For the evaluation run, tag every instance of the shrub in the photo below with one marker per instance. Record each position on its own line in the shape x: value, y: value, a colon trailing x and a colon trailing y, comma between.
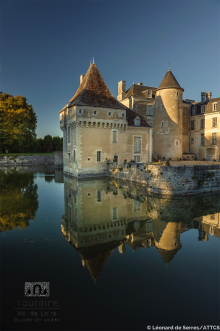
x: 168, y: 163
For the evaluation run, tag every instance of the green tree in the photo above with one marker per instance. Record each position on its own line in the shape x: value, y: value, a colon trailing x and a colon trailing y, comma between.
x: 18, y: 123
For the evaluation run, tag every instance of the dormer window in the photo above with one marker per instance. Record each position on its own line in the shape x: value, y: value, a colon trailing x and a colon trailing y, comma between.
x: 215, y: 106
x: 137, y: 121
x: 202, y: 109
x: 193, y: 110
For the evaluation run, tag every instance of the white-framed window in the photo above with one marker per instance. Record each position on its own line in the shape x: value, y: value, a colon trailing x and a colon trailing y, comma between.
x: 137, y: 158
x: 114, y: 136
x: 215, y: 106
x: 137, y: 144
x: 149, y: 110
x: 203, y: 97
x: 214, y: 138
x: 214, y: 122
x: 68, y: 134
x: 115, y: 213
x: 137, y: 121
x: 192, y: 141
x: 202, y: 124
x: 193, y: 110
x: 162, y: 107
x: 202, y: 139
x: 203, y: 109
x: 162, y: 124
x: 98, y: 156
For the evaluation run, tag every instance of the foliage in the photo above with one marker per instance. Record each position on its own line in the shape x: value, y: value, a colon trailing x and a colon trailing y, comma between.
x: 18, y: 123
x: 19, y: 200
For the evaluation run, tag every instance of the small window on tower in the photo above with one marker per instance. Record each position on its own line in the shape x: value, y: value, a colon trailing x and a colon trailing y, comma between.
x: 162, y: 107
x: 162, y: 124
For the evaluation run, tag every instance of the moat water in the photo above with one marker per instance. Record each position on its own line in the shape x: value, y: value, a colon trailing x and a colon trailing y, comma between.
x: 107, y: 255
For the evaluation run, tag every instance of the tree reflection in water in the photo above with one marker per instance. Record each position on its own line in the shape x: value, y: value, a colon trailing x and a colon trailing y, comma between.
x: 18, y: 199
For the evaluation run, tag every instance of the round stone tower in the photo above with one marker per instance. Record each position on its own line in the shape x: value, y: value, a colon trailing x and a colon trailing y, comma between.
x: 167, y: 138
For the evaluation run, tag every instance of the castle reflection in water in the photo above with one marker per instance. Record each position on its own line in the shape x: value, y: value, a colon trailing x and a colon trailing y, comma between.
x: 104, y: 215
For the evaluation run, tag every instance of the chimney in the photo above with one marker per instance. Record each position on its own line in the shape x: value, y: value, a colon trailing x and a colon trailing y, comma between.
x: 121, y: 90
x: 208, y: 96
x: 81, y: 78
x: 140, y: 84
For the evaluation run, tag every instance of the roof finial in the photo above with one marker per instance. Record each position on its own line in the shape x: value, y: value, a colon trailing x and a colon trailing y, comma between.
x: 90, y: 62
x: 169, y: 65
x: 93, y: 60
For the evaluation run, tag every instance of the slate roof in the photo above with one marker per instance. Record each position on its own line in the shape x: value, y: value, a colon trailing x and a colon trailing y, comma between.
x: 94, y: 92
x: 169, y: 81
x: 137, y: 91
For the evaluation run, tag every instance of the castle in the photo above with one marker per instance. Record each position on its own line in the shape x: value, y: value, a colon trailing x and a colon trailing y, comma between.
x: 182, y: 129
x: 142, y: 121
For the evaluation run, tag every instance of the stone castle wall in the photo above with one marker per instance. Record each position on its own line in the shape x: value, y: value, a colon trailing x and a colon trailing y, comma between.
x: 26, y: 160
x: 171, y: 180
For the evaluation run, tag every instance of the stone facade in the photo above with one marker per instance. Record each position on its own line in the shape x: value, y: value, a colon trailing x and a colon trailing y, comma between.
x: 205, y: 128
x: 174, y: 136
x: 97, y: 128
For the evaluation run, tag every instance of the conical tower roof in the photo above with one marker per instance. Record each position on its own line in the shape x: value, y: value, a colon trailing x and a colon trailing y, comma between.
x: 94, y: 92
x: 169, y: 81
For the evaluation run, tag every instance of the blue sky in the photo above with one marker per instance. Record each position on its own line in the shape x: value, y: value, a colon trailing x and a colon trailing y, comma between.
x: 47, y: 45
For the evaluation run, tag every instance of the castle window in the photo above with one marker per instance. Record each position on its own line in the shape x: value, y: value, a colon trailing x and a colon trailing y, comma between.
x: 162, y: 124
x: 202, y: 124
x: 192, y: 125
x: 95, y: 112
x: 137, y: 121
x: 99, y: 156
x: 80, y: 111
x: 68, y: 135
x: 214, y: 139
x: 114, y: 214
x: 215, y: 106
x: 114, y: 136
x: 137, y: 158
x: 202, y: 109
x: 214, y: 122
x: 137, y: 145
x: 193, y: 110
x: 149, y: 110
x: 123, y: 115
x: 137, y: 205
x: 109, y: 114
x: 177, y: 93
x: 74, y: 156
x: 202, y: 139
x: 162, y: 107
x: 192, y: 141
x: 177, y: 142
x: 99, y: 198
x: 68, y: 157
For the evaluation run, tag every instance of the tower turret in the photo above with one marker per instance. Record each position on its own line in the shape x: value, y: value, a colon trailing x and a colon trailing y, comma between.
x: 168, y: 118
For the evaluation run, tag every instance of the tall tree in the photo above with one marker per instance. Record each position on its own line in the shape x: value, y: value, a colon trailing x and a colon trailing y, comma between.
x: 18, y: 123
